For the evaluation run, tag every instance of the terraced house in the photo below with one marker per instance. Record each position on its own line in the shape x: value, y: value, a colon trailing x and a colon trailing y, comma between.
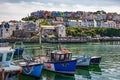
x: 87, y: 19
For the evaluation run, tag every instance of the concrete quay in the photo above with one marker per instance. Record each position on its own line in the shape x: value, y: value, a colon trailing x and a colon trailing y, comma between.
x: 63, y: 40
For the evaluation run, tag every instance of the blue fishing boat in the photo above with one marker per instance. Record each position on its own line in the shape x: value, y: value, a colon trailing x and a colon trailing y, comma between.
x: 19, y: 51
x: 31, y: 66
x: 95, y: 60
x: 19, y: 48
x: 61, y: 61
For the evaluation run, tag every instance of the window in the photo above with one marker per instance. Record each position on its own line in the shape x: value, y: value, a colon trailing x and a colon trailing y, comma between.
x: 62, y: 57
x: 6, y: 29
x: 9, y: 55
x: 52, y: 57
x: 67, y: 56
x: 1, y: 55
x: 70, y: 56
x: 57, y: 56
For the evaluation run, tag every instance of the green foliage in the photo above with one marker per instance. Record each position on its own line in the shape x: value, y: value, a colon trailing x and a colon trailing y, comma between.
x: 92, y: 32
x: 52, y: 36
x: 98, y: 12
x: 44, y: 22
x: 30, y: 18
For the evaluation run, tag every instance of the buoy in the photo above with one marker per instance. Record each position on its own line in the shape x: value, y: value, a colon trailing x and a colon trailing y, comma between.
x: 20, y: 70
x: 64, y: 51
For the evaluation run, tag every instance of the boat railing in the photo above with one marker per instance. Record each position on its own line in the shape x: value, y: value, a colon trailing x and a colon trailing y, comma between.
x: 4, y: 44
x: 20, y: 43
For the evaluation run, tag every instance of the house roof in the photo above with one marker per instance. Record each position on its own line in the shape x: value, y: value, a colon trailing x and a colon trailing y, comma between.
x: 48, y: 27
x: 6, y: 49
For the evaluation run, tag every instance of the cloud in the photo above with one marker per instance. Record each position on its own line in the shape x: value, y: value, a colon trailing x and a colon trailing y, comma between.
x: 18, y: 10
x: 72, y: 2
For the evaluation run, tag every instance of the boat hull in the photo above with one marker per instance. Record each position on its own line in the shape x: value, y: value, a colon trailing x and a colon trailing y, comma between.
x: 83, y: 61
x: 95, y: 60
x: 10, y: 75
x: 32, y: 70
x: 66, y: 67
x: 10, y: 71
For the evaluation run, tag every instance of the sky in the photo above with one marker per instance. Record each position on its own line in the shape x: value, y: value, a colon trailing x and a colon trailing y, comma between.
x: 17, y: 9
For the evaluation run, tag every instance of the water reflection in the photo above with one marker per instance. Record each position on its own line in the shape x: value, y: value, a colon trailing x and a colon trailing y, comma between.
x: 47, y: 75
x: 83, y: 72
x: 87, y: 73
x: 10, y: 76
x: 110, y: 62
x: 95, y: 68
x: 26, y: 77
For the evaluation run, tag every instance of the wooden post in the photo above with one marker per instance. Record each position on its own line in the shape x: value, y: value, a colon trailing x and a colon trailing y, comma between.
x: 3, y: 74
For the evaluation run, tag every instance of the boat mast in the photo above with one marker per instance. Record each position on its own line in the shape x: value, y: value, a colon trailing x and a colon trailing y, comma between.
x: 59, y: 43
x: 40, y: 35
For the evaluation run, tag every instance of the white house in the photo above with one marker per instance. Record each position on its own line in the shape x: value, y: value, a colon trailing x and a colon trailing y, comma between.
x: 108, y: 24
x: 61, y: 30
x: 111, y: 24
x: 38, y: 22
x: 5, y: 31
x: 117, y: 24
x: 104, y: 24
x: 83, y: 23
x: 20, y: 25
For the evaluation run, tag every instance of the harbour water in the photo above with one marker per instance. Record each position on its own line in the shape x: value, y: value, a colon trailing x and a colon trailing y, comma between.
x: 109, y: 68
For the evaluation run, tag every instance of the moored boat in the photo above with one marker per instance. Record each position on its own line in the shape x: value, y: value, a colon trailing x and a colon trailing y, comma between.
x: 6, y: 66
x: 83, y: 61
x: 95, y: 60
x: 31, y: 66
x: 18, y: 49
x: 61, y: 61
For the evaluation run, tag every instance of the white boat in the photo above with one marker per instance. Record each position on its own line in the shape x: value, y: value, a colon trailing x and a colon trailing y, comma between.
x: 6, y: 65
x: 82, y: 60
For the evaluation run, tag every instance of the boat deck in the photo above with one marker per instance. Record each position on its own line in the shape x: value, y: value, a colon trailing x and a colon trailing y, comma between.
x: 11, y: 68
x: 32, y: 61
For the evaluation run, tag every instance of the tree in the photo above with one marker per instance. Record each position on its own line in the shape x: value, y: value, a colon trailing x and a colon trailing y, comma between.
x: 32, y: 18
x: 44, y: 22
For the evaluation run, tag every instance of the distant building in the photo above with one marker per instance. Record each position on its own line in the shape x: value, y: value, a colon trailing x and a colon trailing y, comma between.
x: 58, y: 30
x: 73, y: 23
x: 118, y: 24
x: 111, y: 24
x: 20, y: 25
x: 30, y: 26
x: 38, y: 22
x: 21, y: 34
x: 90, y: 23
x: 104, y: 24
x: 61, y: 30
x: 24, y: 29
x: 108, y: 24
x: 5, y: 30
x: 48, y: 29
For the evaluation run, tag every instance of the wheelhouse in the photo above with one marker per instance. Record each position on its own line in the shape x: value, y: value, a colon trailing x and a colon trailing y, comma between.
x: 63, y: 55
x: 6, y: 55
